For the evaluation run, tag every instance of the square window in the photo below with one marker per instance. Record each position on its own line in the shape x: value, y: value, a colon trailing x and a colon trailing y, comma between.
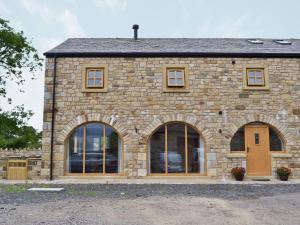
x: 175, y: 77
x: 255, y: 77
x: 94, y: 78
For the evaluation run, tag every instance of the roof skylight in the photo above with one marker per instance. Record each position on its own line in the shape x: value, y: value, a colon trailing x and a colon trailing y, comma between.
x: 283, y: 42
x: 255, y: 41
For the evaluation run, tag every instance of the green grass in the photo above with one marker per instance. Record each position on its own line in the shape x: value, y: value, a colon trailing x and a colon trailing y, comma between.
x: 14, y: 188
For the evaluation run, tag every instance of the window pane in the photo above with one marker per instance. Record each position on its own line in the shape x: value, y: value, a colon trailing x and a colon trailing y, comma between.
x: 179, y: 74
x: 195, y: 153
x: 251, y: 81
x: 75, y: 154
x: 172, y: 82
x: 176, y: 148
x: 112, y: 151
x: 275, y: 141
x: 98, y: 82
x: 251, y: 74
x: 94, y: 148
x: 258, y: 73
x: 91, y: 74
x: 171, y: 74
x: 180, y: 82
x: 90, y: 82
x: 157, y: 151
x: 98, y: 73
x: 238, y: 141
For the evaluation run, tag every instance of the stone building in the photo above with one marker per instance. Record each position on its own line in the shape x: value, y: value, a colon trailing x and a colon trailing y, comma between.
x: 171, y: 107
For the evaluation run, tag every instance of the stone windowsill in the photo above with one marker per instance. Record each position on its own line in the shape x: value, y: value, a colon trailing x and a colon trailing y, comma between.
x: 244, y: 155
x: 236, y: 155
x: 281, y: 155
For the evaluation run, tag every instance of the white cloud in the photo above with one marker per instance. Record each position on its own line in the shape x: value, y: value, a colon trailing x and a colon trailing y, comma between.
x: 65, y: 17
x: 71, y: 23
x: 40, y: 8
x: 114, y: 5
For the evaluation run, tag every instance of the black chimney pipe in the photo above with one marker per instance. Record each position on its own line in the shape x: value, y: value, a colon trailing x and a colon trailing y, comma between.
x: 135, y: 27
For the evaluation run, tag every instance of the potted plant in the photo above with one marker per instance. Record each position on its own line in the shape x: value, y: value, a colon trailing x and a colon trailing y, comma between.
x: 238, y: 173
x: 283, y: 173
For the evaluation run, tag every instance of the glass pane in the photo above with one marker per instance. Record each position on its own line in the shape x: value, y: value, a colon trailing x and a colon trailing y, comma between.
x: 91, y: 74
x: 112, y: 151
x: 157, y: 151
x: 172, y: 82
x: 91, y: 82
x: 179, y: 74
x: 256, y: 136
x: 176, y: 148
x: 258, y: 73
x: 94, y: 148
x: 275, y: 141
x: 251, y: 80
x: 238, y: 141
x: 194, y: 151
x: 171, y: 74
x: 98, y: 73
x: 251, y: 73
x: 98, y: 82
x: 180, y: 82
x: 75, y: 152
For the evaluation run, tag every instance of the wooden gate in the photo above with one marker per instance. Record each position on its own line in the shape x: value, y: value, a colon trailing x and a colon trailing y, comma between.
x: 17, y: 169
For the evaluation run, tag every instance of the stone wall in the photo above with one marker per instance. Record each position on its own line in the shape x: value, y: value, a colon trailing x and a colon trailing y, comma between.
x: 32, y: 155
x: 135, y: 105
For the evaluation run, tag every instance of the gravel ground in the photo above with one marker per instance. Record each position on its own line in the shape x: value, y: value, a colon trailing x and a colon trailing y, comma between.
x: 152, y: 204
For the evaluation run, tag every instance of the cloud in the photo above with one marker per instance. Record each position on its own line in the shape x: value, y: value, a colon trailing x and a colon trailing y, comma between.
x: 113, y: 5
x: 40, y: 8
x: 71, y: 23
x: 65, y: 17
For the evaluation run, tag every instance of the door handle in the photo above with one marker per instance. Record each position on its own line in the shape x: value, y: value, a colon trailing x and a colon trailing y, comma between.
x: 247, y: 149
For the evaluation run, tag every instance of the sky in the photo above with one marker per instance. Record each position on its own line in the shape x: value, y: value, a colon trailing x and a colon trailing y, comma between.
x: 48, y: 23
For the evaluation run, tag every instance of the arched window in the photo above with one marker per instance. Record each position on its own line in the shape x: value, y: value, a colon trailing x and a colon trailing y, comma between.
x: 94, y: 148
x: 176, y: 148
x: 238, y: 140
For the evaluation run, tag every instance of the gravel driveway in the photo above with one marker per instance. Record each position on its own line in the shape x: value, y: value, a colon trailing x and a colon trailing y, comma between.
x: 152, y: 204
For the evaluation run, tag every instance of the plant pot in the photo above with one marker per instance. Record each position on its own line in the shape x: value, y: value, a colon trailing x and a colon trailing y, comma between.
x: 239, y: 177
x: 284, y: 177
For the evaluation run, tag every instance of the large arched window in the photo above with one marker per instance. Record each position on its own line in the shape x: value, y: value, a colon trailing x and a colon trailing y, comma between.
x: 176, y: 148
x: 94, y: 148
x: 238, y: 140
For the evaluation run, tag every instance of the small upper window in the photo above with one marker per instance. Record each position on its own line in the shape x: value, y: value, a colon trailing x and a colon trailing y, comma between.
x: 255, y: 77
x: 255, y: 41
x: 283, y: 42
x: 95, y: 78
x: 175, y: 77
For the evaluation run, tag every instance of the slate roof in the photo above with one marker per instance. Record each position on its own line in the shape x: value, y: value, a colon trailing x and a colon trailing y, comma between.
x: 185, y: 47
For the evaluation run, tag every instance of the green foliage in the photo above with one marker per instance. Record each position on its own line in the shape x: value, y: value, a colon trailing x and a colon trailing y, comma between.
x: 283, y: 171
x: 14, y: 132
x: 16, y: 53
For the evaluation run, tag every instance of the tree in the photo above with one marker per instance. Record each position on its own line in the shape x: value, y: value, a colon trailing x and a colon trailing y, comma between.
x: 16, y: 54
x: 14, y: 132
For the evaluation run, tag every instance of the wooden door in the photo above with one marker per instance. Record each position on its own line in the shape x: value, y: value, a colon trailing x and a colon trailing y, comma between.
x: 258, y: 150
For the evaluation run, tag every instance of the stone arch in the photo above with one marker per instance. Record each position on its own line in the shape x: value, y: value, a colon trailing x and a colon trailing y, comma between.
x: 191, y: 120
x: 112, y: 120
x: 287, y: 136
